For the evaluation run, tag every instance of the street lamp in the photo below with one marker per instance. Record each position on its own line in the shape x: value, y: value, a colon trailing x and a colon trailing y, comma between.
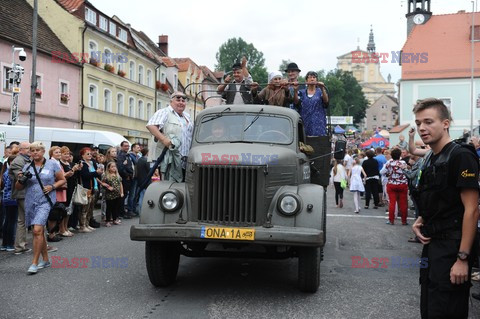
x: 15, y: 77
x: 348, y: 109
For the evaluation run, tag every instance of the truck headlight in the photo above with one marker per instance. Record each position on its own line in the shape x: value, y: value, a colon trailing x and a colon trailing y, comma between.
x: 171, y: 200
x: 289, y: 204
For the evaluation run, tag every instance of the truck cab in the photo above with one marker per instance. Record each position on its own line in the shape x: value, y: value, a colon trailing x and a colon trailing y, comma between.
x: 248, y: 193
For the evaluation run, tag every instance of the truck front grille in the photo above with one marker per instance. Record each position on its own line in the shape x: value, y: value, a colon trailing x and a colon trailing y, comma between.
x: 228, y: 194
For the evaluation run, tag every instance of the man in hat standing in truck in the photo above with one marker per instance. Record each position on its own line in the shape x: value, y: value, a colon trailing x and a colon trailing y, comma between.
x: 293, y: 72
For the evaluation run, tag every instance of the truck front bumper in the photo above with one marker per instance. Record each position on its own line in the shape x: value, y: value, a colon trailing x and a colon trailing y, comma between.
x: 277, y: 235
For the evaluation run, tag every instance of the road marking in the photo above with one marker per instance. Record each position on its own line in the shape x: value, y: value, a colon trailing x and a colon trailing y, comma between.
x: 363, y: 216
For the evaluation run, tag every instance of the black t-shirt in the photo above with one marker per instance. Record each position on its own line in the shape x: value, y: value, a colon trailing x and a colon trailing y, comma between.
x: 463, y: 168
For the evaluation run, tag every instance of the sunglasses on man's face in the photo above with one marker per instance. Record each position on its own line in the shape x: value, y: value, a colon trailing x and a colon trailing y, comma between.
x: 180, y: 98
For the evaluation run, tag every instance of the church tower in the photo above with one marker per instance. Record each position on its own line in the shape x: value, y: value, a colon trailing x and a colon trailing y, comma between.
x: 371, y: 42
x: 418, y: 13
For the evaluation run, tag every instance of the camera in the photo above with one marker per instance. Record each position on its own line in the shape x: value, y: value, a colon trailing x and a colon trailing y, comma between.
x: 22, y: 55
x: 26, y: 176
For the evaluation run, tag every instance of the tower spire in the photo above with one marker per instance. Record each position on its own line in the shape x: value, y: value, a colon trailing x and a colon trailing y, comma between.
x: 371, y: 41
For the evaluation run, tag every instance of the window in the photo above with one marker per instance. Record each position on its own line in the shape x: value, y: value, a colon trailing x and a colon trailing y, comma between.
x: 141, y: 111
x: 120, y: 103
x: 140, y: 74
x: 64, y: 96
x: 159, y: 105
x: 38, y: 91
x: 90, y: 16
x: 107, y: 100
x: 94, y: 53
x: 149, y: 78
x: 384, y: 106
x: 476, y: 33
x: 162, y: 78
x: 149, y: 110
x: 7, y: 86
x: 107, y: 56
x: 92, y: 96
x: 103, y: 23
x: 120, y: 66
x: 393, y: 117
x: 113, y: 29
x: 122, y: 34
x: 131, y: 107
x: 448, y: 102
x: 132, y: 71
x: 189, y: 87
x: 175, y: 82
x: 374, y: 117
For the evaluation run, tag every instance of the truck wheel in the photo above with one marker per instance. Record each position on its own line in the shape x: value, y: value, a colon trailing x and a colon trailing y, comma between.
x: 309, y: 269
x: 162, y: 262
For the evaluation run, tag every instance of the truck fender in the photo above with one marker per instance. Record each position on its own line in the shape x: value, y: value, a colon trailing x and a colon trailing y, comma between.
x: 154, y: 214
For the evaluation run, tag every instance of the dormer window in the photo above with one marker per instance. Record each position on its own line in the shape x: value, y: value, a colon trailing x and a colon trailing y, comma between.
x: 122, y: 35
x: 103, y: 23
x: 113, y: 29
x: 91, y: 16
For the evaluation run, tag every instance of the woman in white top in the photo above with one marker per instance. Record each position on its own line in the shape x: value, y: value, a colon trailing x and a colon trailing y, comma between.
x: 338, y: 174
x: 356, y: 183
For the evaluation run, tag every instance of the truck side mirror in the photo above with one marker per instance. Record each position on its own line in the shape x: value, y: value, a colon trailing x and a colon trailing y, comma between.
x: 340, y: 147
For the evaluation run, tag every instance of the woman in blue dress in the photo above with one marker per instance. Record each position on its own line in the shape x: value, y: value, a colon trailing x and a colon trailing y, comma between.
x: 314, y: 101
x: 37, y: 206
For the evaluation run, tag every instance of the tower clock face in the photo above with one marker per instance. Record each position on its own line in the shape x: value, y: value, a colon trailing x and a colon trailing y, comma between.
x: 419, y: 19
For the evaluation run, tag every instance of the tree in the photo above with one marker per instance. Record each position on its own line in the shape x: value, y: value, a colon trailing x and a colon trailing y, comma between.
x: 346, y: 95
x: 233, y: 50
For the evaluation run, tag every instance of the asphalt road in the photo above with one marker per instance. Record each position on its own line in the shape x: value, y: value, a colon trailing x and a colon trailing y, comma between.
x: 222, y: 288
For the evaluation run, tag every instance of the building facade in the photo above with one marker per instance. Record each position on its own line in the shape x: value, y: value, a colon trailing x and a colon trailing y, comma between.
x: 444, y: 42
x: 382, y: 114
x: 57, y: 97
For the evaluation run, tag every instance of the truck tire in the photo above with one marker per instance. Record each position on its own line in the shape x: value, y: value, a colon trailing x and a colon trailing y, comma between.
x: 162, y: 260
x: 309, y: 269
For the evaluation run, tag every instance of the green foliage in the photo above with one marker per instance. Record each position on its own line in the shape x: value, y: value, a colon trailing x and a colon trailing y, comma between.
x: 233, y: 50
x: 344, y: 91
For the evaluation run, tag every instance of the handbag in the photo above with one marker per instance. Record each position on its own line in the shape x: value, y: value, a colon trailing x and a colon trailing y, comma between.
x: 80, y: 195
x: 343, y: 183
x: 58, y: 210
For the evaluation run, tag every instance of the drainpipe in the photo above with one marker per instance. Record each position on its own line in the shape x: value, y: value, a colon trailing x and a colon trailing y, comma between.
x: 155, y: 106
x: 83, y: 68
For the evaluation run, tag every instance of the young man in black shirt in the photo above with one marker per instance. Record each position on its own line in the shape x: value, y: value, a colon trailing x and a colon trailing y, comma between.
x: 448, y: 207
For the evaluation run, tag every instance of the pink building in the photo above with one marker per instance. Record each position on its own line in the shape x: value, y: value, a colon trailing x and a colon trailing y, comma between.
x: 58, y: 84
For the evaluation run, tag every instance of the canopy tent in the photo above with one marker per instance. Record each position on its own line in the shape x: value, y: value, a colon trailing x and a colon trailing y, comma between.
x: 384, y: 133
x: 338, y: 130
x: 375, y: 141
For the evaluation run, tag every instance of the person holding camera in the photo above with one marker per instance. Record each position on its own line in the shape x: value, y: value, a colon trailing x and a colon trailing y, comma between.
x: 88, y: 176
x: 19, y: 195
x: 448, y: 206
x: 40, y: 172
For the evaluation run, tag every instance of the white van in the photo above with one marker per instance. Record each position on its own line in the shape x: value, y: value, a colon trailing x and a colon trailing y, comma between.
x: 74, y: 139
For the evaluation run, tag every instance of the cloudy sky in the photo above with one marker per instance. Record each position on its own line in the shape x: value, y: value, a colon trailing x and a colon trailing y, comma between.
x: 312, y: 33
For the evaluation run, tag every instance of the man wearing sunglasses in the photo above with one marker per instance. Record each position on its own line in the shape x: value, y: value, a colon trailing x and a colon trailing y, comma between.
x: 173, y: 123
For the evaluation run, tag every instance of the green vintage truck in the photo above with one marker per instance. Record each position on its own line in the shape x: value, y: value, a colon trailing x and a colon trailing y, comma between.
x: 248, y: 193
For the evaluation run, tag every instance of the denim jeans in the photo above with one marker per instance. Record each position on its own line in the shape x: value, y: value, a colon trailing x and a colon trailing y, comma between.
x: 140, y: 200
x: 9, y: 225
x: 131, y: 197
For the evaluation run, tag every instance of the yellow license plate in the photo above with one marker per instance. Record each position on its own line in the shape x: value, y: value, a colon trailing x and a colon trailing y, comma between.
x: 227, y: 233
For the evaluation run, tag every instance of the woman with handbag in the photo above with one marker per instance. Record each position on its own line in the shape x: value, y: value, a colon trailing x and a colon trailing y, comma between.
x: 40, y: 178
x: 55, y: 154
x: 69, y: 171
x: 88, y: 175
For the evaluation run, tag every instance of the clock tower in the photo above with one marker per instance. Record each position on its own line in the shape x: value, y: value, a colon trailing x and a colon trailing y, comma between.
x: 418, y: 13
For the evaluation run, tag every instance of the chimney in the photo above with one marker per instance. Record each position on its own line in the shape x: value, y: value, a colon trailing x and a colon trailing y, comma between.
x: 163, y: 43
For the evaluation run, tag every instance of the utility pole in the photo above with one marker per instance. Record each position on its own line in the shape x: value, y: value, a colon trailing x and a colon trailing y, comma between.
x: 31, y: 137
x: 15, y: 77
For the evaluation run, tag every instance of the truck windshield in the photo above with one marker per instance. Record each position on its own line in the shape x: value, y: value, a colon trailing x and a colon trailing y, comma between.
x: 230, y: 128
